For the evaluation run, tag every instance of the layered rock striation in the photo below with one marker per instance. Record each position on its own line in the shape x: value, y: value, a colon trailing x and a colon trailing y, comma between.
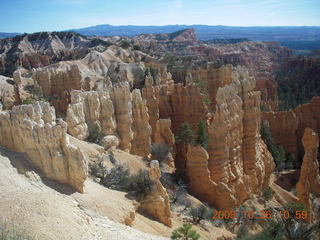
x: 309, y: 181
x: 287, y: 127
x: 32, y: 129
x: 157, y: 203
x: 237, y: 161
x: 116, y: 113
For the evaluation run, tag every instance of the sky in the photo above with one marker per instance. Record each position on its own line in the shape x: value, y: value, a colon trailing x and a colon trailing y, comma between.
x: 54, y: 15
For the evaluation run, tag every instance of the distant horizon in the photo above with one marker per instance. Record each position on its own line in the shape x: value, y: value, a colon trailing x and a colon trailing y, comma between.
x: 187, y: 25
x: 59, y: 15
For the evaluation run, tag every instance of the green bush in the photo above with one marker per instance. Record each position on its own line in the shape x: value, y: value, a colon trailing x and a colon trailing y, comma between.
x: 119, y: 178
x: 136, y: 47
x: 243, y: 232
x: 95, y: 135
x: 199, y: 213
x: 278, y: 153
x: 202, y: 135
x: 28, y: 101
x: 124, y: 44
x: 288, y: 229
x: 185, y: 134
x: 267, y: 193
x: 185, y: 233
x: 160, y: 151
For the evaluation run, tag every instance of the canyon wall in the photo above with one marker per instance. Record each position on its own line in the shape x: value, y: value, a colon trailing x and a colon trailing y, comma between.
x: 32, y: 129
x: 116, y: 113
x: 262, y: 59
x: 309, y: 181
x: 237, y: 162
x: 287, y: 127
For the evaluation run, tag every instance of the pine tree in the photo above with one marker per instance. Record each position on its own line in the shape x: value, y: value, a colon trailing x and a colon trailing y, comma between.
x: 185, y: 233
x: 185, y: 134
x: 202, y: 135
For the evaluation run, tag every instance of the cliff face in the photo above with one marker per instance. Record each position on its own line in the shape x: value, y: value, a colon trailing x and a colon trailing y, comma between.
x: 237, y: 161
x: 181, y: 104
x: 32, y: 129
x: 261, y: 59
x: 309, y: 181
x: 287, y: 127
x: 188, y: 35
x: 115, y: 113
x: 95, y: 70
x: 140, y: 126
x: 40, y: 49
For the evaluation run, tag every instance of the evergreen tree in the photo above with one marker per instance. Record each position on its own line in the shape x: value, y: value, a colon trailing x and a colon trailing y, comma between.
x: 185, y: 233
x: 202, y: 135
x: 280, y: 158
x: 185, y: 134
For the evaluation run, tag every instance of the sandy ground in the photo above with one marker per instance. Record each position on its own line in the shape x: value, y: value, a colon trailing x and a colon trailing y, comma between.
x: 54, y: 211
x: 51, y: 215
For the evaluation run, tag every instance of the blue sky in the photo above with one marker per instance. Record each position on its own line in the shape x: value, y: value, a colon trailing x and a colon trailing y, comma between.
x: 50, y: 15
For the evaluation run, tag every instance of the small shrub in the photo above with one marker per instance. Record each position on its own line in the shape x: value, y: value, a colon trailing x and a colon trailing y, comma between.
x: 160, y: 151
x: 199, y: 213
x: 28, y: 101
x: 185, y: 233
x: 117, y: 178
x: 97, y: 170
x: 267, y: 193
x: 95, y: 135
x: 136, y: 47
x: 243, y: 232
x: 140, y: 183
x: 124, y: 44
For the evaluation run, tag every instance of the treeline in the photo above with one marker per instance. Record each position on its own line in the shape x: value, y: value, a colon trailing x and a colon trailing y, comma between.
x: 227, y: 40
x: 298, y: 81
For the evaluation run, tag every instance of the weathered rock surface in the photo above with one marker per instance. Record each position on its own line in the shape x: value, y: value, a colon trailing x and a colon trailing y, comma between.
x: 178, y: 103
x: 41, y: 49
x: 287, y: 127
x: 261, y: 58
x: 96, y: 68
x: 7, y: 92
x: 141, y: 141
x: 32, y: 129
x: 198, y: 174
x: 237, y: 161
x: 188, y: 35
x: 157, y: 202
x: 115, y: 113
x: 122, y: 100
x: 110, y: 142
x: 88, y: 111
x: 164, y: 135
x: 309, y: 181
